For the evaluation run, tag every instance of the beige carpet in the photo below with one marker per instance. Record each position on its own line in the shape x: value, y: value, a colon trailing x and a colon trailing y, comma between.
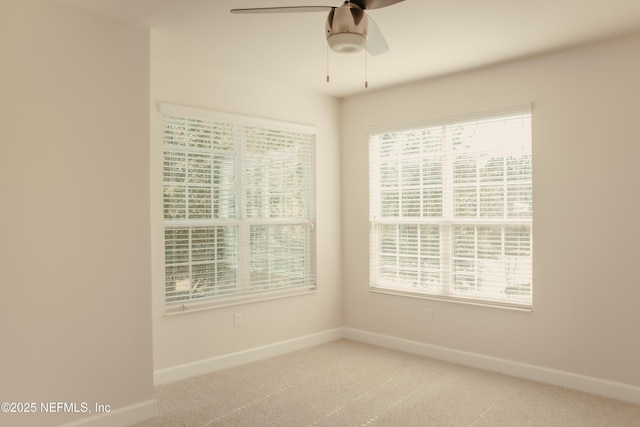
x: 345, y: 383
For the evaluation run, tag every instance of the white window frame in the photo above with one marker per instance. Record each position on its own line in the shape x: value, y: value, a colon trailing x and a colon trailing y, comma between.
x: 240, y: 288
x: 438, y: 282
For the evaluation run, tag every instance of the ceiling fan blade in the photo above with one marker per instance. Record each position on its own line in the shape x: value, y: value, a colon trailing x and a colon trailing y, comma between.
x: 286, y: 9
x: 375, y: 4
x: 376, y: 43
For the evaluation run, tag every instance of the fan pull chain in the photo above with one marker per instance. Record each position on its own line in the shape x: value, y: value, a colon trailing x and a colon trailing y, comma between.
x: 366, y: 77
x: 327, y: 63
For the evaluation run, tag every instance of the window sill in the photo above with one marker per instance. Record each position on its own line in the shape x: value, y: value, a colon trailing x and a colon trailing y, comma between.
x: 491, y: 304
x: 191, y: 306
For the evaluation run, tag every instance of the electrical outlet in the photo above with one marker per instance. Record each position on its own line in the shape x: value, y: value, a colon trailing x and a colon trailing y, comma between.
x: 428, y: 315
x: 237, y: 320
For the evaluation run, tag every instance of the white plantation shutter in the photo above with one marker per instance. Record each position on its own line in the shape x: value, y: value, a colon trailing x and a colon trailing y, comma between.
x: 239, y: 208
x: 279, y: 208
x: 451, y: 208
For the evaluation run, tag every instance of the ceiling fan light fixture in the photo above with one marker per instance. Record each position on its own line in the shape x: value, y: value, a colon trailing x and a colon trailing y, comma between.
x: 347, y: 42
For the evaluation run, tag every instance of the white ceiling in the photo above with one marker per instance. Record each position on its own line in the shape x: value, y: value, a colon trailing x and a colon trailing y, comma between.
x: 427, y: 38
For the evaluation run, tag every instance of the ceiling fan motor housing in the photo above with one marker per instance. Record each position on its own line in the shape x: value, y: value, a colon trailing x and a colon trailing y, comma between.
x: 347, y: 28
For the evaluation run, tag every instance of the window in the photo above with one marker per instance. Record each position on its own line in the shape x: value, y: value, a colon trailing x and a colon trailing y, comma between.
x: 451, y: 209
x: 239, y: 208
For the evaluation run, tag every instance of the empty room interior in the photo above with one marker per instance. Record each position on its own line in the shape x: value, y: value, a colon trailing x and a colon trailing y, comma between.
x: 348, y: 196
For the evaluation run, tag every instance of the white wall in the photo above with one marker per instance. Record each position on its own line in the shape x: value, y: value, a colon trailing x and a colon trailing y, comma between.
x: 180, y: 77
x: 586, y: 209
x: 75, y: 308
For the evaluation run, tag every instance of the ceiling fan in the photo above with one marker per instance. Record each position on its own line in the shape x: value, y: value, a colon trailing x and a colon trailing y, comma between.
x: 348, y: 29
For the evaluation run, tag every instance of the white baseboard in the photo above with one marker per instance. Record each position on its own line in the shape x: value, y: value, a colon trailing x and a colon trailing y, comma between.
x: 605, y: 388
x: 206, y: 366
x: 120, y: 417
